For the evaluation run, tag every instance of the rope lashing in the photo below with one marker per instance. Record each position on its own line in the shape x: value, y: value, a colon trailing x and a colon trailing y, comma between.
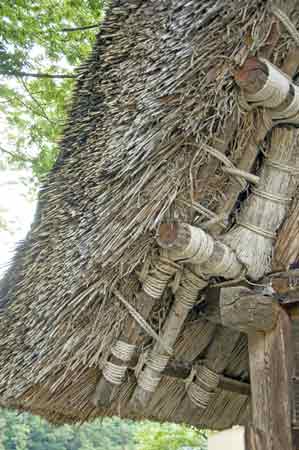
x: 186, y: 297
x: 157, y: 361
x: 191, y: 285
x: 142, y: 322
x: 202, y: 389
x: 282, y: 167
x: 123, y: 351
x: 148, y: 382
x: 272, y: 197
x: 257, y: 230
x: 156, y: 282
x: 114, y: 373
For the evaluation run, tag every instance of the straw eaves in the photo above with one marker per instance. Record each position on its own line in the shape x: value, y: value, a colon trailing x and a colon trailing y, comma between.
x: 155, y: 92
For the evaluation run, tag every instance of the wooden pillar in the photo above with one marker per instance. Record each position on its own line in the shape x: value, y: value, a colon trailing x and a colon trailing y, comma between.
x: 271, y: 378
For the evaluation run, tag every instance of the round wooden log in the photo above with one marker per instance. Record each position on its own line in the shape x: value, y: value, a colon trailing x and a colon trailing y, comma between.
x: 185, y: 298
x: 252, y: 76
x: 193, y: 245
x: 245, y: 311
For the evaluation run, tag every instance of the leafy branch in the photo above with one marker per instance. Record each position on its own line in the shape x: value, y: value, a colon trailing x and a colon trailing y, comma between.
x: 15, y: 73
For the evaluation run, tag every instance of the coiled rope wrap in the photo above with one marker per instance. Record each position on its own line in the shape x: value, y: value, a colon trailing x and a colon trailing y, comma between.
x: 186, y: 296
x: 114, y: 373
x: 267, y: 234
x: 156, y: 362
x: 156, y: 282
x: 148, y: 382
x: 203, y: 388
x: 191, y: 285
x: 123, y: 351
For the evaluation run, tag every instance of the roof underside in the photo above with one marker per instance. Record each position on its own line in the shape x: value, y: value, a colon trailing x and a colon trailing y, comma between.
x: 156, y: 92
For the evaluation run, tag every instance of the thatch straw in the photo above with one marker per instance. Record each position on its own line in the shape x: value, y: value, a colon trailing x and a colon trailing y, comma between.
x: 156, y: 94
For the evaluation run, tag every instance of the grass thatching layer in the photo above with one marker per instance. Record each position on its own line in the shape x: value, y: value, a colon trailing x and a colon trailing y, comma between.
x: 156, y: 92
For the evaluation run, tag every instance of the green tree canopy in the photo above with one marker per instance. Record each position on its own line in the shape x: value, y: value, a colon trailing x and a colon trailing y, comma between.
x: 41, y: 42
x: 154, y: 436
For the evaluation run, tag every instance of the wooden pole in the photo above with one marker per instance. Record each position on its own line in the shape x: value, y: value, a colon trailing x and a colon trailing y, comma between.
x: 271, y: 376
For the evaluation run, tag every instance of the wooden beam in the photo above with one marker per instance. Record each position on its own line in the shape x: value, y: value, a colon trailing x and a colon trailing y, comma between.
x: 150, y: 376
x: 271, y: 374
x: 246, y: 311
x: 193, y: 245
x: 181, y: 370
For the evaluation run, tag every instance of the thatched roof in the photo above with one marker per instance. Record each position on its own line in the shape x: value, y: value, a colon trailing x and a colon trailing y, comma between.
x: 155, y: 95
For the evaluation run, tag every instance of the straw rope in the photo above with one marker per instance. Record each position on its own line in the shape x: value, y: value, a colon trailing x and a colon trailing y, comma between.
x: 148, y: 382
x: 157, y: 361
x: 114, y: 373
x: 156, y: 282
x: 256, y: 229
x: 199, y: 248
x: 203, y: 388
x: 282, y: 167
x: 123, y: 351
x: 191, y: 285
x: 272, y: 197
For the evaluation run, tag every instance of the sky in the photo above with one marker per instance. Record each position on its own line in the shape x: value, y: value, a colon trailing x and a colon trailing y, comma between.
x: 16, y: 212
x: 17, y: 202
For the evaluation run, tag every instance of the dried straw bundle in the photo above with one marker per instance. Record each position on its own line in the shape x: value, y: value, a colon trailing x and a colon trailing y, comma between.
x: 156, y: 95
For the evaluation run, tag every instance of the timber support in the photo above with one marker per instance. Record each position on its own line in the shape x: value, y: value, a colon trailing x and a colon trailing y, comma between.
x: 271, y: 380
x: 248, y: 312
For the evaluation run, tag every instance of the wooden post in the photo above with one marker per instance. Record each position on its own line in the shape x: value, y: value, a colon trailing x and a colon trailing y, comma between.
x: 270, y: 373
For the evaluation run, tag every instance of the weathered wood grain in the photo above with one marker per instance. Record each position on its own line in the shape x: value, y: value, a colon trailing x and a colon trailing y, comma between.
x: 271, y: 372
x: 246, y: 311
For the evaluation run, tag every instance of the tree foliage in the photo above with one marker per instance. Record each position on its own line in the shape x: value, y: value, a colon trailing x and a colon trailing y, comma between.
x: 45, y: 39
x: 154, y: 436
x: 27, y: 432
